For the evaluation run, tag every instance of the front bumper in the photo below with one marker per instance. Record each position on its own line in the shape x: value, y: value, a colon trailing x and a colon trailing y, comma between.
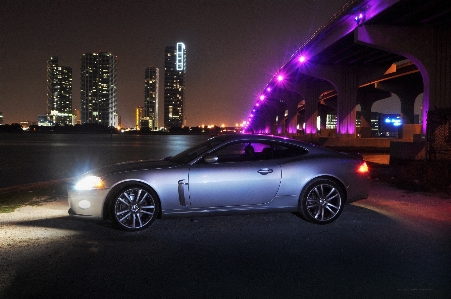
x: 87, y: 203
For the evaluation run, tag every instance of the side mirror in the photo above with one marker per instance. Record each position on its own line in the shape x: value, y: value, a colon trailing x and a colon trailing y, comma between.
x: 211, y: 158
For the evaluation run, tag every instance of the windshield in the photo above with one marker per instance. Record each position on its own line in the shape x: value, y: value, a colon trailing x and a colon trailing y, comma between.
x: 193, y: 152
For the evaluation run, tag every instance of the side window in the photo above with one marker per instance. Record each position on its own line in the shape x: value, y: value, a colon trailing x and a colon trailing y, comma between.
x: 256, y: 151
x: 231, y: 153
x: 288, y: 151
x: 244, y: 151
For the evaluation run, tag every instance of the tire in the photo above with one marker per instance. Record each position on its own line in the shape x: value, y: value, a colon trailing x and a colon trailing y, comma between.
x: 134, y: 207
x: 321, y: 201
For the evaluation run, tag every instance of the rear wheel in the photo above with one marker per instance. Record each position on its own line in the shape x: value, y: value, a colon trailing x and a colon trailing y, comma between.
x: 134, y: 207
x: 321, y: 202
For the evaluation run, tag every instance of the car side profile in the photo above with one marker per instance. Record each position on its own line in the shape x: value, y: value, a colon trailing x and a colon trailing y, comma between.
x: 224, y: 175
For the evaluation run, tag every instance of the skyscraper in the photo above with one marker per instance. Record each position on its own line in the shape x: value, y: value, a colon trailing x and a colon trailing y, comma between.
x: 174, y: 86
x: 59, y: 93
x: 151, y: 82
x: 98, y: 89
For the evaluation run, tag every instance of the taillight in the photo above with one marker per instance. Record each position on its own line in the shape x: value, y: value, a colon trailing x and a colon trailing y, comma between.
x: 363, y: 168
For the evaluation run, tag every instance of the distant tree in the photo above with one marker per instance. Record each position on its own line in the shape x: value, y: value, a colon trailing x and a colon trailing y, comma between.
x: 175, y: 130
x: 12, y: 128
x: 196, y: 130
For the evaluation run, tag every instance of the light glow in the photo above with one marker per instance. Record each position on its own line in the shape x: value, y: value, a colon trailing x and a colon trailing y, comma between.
x: 359, y: 19
x: 90, y: 182
x: 279, y: 78
x: 395, y: 121
x: 302, y: 58
x: 180, y: 56
x: 363, y: 168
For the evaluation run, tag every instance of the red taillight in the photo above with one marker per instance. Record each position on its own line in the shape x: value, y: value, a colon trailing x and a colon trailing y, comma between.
x: 363, y: 168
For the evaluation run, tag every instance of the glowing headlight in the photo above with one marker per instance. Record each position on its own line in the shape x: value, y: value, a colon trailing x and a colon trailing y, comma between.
x: 89, y: 182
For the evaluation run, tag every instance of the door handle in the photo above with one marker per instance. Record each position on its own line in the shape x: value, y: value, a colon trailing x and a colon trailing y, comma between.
x: 265, y: 171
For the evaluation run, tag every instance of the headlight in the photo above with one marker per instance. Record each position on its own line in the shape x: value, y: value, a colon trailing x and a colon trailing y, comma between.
x: 90, y: 182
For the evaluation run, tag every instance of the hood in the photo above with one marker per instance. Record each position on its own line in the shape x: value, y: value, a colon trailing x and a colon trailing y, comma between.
x: 133, y: 165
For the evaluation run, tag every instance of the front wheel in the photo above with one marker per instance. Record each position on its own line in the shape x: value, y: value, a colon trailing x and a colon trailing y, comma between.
x: 321, y: 202
x: 134, y: 207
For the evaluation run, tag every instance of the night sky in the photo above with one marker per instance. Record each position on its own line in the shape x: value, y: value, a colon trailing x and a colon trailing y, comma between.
x: 233, y: 49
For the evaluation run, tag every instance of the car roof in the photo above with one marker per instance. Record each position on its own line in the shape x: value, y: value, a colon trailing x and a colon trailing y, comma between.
x: 312, y: 148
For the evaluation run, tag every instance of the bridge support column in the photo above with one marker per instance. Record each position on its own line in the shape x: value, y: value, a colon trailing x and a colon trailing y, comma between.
x: 281, y: 118
x: 265, y: 120
x: 291, y: 120
x: 347, y: 88
x: 311, y: 109
x: 407, y: 89
x: 311, y: 94
x: 366, y: 97
x: 288, y: 117
x: 345, y: 80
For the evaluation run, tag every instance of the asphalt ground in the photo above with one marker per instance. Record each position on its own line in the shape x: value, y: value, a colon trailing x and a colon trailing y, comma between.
x: 395, y: 244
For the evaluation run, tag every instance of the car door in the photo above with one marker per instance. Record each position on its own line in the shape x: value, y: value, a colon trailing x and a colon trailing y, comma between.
x: 237, y: 177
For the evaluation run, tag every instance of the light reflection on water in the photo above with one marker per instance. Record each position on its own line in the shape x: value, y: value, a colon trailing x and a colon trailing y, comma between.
x: 31, y: 158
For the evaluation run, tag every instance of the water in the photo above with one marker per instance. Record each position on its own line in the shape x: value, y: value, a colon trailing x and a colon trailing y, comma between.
x: 32, y: 158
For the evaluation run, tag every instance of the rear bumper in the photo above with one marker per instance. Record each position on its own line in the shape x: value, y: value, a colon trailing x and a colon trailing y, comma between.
x: 360, y: 189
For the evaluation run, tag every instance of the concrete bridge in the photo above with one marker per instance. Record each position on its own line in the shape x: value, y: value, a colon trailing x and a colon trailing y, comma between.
x: 367, y: 51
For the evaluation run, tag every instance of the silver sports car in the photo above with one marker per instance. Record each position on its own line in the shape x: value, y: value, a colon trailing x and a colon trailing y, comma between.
x: 224, y: 175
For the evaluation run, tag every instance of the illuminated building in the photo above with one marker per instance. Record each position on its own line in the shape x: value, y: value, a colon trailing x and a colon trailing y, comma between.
x: 1, y: 118
x: 174, y: 86
x: 59, y: 93
x: 151, y: 81
x: 77, y: 116
x: 138, y: 116
x: 98, y: 89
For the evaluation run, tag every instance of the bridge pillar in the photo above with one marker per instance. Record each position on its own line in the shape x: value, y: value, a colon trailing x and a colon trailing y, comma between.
x: 264, y: 120
x: 288, y: 120
x: 281, y: 118
x: 345, y: 80
x: 428, y: 47
x: 347, y: 87
x: 366, y: 97
x: 407, y: 89
x: 311, y: 92
x: 291, y: 119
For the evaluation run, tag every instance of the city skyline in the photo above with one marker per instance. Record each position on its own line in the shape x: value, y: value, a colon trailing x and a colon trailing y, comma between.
x: 98, y: 91
x: 234, y: 48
